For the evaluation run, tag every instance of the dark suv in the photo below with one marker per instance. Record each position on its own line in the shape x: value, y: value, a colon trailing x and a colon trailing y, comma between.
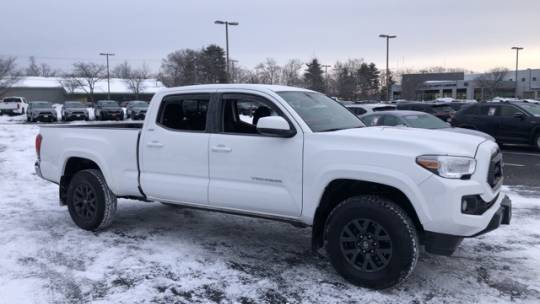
x: 442, y: 111
x: 512, y: 123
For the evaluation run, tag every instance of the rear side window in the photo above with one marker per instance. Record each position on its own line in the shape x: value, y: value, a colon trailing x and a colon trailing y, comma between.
x: 488, y: 110
x: 12, y: 100
x: 390, y: 120
x: 184, y: 113
x: 471, y: 110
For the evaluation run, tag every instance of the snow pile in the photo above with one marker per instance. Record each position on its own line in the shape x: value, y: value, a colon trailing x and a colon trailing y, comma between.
x: 161, y: 254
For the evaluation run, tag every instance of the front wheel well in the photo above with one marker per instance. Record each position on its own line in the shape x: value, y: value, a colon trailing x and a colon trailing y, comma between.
x: 73, y: 165
x: 341, y: 189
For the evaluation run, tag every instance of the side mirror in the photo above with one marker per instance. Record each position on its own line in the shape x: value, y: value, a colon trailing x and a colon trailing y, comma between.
x: 519, y: 116
x: 275, y: 126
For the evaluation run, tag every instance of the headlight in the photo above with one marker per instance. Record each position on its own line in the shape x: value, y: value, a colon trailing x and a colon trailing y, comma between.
x: 448, y: 166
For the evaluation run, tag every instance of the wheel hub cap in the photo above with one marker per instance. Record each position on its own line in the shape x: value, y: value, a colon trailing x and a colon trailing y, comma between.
x: 366, y: 245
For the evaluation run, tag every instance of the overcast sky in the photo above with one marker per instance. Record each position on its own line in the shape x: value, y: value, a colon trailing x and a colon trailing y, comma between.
x: 472, y: 34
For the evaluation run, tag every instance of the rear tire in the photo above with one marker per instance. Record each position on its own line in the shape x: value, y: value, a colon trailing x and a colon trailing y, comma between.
x: 371, y: 242
x: 537, y: 142
x: 90, y: 202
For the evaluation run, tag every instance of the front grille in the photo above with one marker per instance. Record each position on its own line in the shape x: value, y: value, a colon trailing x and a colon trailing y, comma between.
x: 495, y: 172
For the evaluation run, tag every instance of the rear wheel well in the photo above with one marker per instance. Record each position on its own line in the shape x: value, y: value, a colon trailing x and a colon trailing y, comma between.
x: 73, y: 165
x: 341, y: 189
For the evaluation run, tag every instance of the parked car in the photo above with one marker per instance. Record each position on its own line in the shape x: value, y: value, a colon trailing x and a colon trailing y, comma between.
x: 360, y: 109
x: 136, y: 109
x: 302, y: 158
x: 108, y: 110
x: 13, y: 105
x: 509, y: 122
x: 415, y: 119
x: 74, y: 110
x: 441, y: 110
x: 40, y: 111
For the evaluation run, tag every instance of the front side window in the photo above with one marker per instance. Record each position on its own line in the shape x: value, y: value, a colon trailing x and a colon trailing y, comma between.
x: 241, y: 112
x: 320, y: 112
x: 509, y: 111
x: 390, y: 120
x: 488, y: 110
x: 186, y: 113
x: 534, y: 109
x: 372, y: 120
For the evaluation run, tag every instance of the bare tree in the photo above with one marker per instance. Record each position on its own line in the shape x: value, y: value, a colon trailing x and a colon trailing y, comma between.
x: 41, y: 69
x: 268, y: 72
x: 70, y: 83
x: 491, y: 82
x: 87, y: 75
x: 8, y: 74
x: 135, y: 79
x: 290, y: 73
x: 122, y: 70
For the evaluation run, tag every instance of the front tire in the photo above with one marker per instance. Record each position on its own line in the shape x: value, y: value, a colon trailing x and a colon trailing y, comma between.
x: 537, y: 142
x: 371, y: 242
x: 91, y: 203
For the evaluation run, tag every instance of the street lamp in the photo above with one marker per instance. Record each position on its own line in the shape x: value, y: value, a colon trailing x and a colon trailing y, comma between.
x: 517, y: 48
x: 326, y: 66
x: 108, y: 74
x: 387, y: 37
x: 227, y: 23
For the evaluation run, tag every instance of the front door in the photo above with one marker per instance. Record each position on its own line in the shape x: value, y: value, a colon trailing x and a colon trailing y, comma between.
x: 251, y: 172
x: 515, y: 126
x: 174, y: 151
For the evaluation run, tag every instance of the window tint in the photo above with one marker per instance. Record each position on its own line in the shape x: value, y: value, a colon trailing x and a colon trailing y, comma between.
x: 425, y: 121
x: 390, y: 120
x: 509, y: 111
x: 471, y: 110
x: 242, y: 112
x: 184, y: 112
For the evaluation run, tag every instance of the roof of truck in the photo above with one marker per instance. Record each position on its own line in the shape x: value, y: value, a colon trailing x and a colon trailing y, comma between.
x: 245, y: 86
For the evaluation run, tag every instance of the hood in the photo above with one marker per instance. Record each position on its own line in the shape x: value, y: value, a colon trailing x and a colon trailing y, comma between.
x: 409, y: 140
x: 469, y: 132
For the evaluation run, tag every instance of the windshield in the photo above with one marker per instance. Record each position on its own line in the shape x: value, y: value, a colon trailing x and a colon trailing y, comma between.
x: 424, y: 121
x: 321, y: 113
x: 534, y: 109
x: 442, y: 108
x: 139, y: 104
x: 73, y: 105
x: 11, y: 100
x: 108, y: 104
x: 41, y: 105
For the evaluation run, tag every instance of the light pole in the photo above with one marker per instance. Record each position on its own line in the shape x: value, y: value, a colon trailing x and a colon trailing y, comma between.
x: 517, y: 48
x: 326, y: 66
x: 387, y: 37
x: 227, y: 23
x: 108, y: 74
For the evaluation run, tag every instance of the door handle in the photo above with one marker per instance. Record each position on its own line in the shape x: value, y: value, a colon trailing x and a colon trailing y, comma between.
x: 221, y: 148
x: 154, y: 144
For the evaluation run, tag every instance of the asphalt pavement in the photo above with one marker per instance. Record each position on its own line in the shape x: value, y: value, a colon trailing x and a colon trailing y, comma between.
x: 521, y: 166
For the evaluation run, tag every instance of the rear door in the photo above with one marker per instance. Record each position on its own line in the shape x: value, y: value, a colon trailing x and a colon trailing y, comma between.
x: 174, y: 150
x: 487, y: 119
x: 252, y: 172
x: 515, y: 126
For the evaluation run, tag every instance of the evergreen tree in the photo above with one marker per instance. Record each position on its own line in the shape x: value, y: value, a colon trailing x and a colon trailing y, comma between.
x: 314, y: 76
x: 213, y: 64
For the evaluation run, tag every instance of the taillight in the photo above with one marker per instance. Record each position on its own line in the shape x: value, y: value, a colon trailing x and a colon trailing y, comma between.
x: 39, y: 139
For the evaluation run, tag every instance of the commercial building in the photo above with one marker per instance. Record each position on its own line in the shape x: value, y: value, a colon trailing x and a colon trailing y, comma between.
x: 58, y: 90
x: 484, y: 86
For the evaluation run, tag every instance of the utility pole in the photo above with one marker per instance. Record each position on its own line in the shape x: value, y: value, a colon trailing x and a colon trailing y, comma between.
x: 227, y: 23
x: 326, y: 66
x: 387, y: 37
x: 517, y: 48
x: 108, y: 74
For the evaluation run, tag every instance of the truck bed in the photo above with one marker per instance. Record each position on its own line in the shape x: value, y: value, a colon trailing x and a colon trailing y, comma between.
x: 112, y: 146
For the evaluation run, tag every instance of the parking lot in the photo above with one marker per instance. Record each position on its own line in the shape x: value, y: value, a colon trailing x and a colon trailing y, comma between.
x: 155, y: 253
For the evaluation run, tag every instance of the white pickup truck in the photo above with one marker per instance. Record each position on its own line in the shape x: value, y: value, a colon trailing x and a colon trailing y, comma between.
x: 13, y: 105
x: 373, y: 196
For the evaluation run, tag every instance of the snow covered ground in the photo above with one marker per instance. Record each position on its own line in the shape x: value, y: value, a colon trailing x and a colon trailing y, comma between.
x: 155, y: 253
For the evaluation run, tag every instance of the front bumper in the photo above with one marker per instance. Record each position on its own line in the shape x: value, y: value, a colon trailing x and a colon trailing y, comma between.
x: 446, y: 244
x: 76, y: 116
x: 45, y: 117
x: 112, y: 115
x: 139, y: 115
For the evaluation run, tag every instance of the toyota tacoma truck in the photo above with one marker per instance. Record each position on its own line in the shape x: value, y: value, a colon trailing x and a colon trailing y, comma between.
x: 373, y: 195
